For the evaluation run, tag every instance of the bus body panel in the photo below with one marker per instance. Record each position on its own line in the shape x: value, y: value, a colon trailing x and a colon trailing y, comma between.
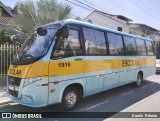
x: 109, y: 74
x: 111, y: 80
x: 94, y: 73
x: 33, y: 95
x: 56, y: 96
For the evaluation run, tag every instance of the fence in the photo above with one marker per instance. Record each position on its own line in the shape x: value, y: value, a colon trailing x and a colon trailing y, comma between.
x: 6, y: 54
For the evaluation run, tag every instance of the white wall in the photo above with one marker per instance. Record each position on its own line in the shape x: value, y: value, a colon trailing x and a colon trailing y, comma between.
x: 107, y: 22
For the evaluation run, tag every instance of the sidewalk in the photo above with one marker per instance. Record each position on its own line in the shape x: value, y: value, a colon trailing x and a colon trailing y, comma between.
x: 149, y: 104
x: 3, y: 95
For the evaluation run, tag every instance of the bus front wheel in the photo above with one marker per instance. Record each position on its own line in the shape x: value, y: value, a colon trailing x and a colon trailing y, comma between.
x: 70, y: 98
x: 139, y: 80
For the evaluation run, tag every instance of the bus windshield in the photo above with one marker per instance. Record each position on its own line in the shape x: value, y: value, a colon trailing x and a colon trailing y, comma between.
x: 36, y: 45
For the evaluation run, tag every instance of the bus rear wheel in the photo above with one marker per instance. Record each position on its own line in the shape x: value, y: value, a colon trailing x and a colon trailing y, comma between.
x: 139, y: 79
x: 70, y: 98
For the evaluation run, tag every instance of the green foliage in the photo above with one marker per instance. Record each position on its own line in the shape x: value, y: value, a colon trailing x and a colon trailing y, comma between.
x: 51, y: 10
x: 140, y: 33
x: 25, y: 17
x: 5, y: 36
x: 158, y: 50
x: 130, y: 30
x: 31, y: 16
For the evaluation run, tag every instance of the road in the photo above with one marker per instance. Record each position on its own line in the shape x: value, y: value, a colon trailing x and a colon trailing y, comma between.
x: 114, y: 100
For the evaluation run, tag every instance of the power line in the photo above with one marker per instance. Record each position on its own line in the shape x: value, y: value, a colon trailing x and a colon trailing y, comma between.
x: 146, y: 10
x: 135, y: 13
x: 153, y: 1
x: 101, y: 8
x: 72, y: 15
x: 84, y: 4
x: 103, y: 14
x: 91, y: 6
x: 80, y: 5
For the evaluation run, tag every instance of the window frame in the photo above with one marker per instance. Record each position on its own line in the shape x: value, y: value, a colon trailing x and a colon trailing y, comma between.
x: 135, y: 45
x: 73, y: 27
x: 147, y: 48
x: 144, y: 46
x: 122, y: 42
x: 106, y: 42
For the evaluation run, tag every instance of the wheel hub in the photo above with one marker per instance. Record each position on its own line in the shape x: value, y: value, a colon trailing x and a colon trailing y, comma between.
x: 71, y: 98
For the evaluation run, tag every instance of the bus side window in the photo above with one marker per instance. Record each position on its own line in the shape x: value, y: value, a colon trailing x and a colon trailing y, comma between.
x: 115, y: 44
x: 130, y: 45
x: 95, y: 43
x: 141, y: 47
x: 68, y: 47
x: 149, y: 46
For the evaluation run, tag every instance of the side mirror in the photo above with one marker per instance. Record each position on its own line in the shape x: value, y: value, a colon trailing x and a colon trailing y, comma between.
x: 14, y: 38
x: 64, y: 32
x: 42, y: 31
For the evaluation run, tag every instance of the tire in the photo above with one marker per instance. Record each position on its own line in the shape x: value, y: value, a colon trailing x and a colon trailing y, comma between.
x: 70, y: 98
x: 139, y: 80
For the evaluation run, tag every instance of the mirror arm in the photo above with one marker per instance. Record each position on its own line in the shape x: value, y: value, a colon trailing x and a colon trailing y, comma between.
x: 17, y: 42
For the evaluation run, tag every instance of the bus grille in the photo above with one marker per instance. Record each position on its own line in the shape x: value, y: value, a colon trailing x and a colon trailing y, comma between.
x: 13, y: 93
x: 14, y: 81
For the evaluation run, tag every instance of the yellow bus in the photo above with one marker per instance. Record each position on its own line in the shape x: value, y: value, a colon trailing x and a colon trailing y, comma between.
x: 65, y: 61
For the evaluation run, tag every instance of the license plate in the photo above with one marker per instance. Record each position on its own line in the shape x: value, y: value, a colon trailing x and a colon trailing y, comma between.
x: 11, y: 87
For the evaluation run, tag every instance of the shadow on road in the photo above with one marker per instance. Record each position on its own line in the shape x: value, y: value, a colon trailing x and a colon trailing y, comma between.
x: 117, y: 101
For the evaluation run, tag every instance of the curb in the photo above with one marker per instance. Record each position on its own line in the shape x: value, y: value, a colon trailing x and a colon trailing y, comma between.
x: 3, y: 103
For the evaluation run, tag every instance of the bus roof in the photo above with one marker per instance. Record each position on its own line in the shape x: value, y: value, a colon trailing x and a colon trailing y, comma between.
x: 102, y: 28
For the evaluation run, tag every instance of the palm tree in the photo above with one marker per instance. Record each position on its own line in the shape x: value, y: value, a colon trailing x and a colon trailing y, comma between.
x: 51, y: 10
x: 31, y: 15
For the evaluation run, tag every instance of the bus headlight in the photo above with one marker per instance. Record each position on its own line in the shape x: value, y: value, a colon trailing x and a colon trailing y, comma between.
x: 31, y: 80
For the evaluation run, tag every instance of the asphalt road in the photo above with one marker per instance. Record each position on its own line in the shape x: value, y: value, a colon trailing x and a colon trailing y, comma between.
x: 113, y: 100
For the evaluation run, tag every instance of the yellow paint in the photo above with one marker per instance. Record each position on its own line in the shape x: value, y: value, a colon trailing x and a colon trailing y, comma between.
x: 24, y: 70
x: 32, y: 70
x: 76, y: 67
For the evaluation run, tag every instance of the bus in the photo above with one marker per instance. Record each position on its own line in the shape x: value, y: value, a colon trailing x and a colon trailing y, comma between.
x: 65, y: 61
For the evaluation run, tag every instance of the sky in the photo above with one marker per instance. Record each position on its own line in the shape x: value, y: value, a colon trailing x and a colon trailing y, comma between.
x: 140, y: 11
x: 10, y: 3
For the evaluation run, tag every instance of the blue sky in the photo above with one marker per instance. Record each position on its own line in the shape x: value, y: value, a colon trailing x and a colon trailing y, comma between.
x: 10, y: 3
x: 140, y: 11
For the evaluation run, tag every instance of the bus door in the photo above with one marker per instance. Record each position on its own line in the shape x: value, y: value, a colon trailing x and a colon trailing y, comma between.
x: 67, y: 62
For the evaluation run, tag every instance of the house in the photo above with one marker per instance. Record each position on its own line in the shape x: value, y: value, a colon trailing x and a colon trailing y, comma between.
x: 117, y: 22
x: 122, y: 23
x: 148, y: 32
x: 7, y: 16
x: 145, y: 31
x: 6, y: 11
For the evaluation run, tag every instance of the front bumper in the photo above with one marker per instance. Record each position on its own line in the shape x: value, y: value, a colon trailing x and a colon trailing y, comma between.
x: 31, y: 95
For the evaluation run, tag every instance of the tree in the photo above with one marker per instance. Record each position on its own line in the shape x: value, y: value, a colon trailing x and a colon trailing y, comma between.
x: 32, y: 15
x: 130, y: 30
x: 5, y: 36
x: 51, y: 10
